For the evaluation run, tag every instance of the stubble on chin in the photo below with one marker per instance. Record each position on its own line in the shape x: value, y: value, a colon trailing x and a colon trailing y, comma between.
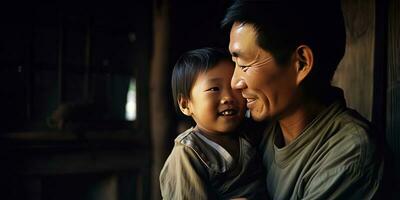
x: 258, y: 113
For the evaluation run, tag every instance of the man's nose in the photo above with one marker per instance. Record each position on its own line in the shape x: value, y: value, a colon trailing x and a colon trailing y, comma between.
x: 237, y: 82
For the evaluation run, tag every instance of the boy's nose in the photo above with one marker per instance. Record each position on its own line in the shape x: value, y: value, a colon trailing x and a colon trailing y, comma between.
x: 227, y: 99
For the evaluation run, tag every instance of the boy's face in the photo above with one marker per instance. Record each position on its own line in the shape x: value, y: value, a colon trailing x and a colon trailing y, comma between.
x: 213, y: 105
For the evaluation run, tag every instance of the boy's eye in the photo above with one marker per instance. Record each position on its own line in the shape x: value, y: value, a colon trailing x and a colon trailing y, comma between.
x: 213, y: 89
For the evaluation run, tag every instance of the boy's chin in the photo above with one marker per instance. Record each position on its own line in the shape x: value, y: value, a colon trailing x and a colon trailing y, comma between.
x: 229, y: 129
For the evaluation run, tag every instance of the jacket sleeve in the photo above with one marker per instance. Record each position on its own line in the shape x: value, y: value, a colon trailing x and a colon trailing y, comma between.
x: 183, y: 175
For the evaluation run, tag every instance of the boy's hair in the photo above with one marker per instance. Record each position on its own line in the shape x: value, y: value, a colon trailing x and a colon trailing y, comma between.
x: 283, y: 25
x: 189, y: 66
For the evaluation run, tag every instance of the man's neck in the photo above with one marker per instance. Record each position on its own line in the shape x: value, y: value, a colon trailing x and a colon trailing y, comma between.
x: 293, y: 124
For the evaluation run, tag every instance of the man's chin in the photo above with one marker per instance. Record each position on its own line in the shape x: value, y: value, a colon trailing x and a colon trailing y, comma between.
x: 259, y: 117
x: 256, y: 117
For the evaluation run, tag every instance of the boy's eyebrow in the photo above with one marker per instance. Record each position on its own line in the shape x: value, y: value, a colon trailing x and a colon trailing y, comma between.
x: 214, y: 80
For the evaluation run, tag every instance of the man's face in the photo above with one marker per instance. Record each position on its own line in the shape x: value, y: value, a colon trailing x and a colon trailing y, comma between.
x: 270, y: 90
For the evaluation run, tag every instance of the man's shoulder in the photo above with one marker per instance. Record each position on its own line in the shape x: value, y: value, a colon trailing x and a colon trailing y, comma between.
x: 351, y: 127
x: 350, y: 154
x: 352, y: 119
x: 351, y: 136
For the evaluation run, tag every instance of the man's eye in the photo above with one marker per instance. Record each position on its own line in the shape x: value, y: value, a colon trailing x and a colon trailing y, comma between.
x: 243, y: 68
x: 213, y: 89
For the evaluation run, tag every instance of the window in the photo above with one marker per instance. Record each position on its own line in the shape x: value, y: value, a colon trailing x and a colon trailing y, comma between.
x: 130, y: 108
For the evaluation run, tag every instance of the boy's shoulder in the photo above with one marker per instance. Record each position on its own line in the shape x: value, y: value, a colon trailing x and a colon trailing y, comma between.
x: 213, y: 159
x: 190, y: 140
x: 185, y: 136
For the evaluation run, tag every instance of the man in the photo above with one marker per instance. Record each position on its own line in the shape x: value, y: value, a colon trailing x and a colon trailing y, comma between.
x: 313, y: 147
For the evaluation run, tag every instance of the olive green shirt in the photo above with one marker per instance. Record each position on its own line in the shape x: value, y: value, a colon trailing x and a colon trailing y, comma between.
x: 333, y: 158
x: 199, y: 168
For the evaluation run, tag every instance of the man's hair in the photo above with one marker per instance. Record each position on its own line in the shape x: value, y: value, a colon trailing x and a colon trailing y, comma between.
x: 189, y: 66
x: 282, y: 26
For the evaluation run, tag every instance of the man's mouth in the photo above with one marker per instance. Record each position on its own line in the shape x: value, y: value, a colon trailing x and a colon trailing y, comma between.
x: 228, y: 112
x: 250, y: 100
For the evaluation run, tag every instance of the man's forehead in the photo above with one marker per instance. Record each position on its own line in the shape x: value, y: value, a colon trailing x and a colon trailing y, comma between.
x: 243, y: 39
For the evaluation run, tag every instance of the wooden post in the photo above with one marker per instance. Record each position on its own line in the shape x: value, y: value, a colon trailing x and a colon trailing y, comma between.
x: 60, y: 57
x: 87, y: 56
x: 159, y: 119
x: 393, y: 96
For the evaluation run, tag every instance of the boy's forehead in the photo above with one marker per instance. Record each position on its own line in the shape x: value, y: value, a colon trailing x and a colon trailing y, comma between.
x: 219, y: 71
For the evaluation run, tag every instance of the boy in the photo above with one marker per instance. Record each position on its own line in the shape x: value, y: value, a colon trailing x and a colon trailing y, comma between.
x: 211, y: 160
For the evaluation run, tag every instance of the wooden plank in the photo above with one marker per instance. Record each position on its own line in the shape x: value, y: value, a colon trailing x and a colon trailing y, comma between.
x: 355, y: 72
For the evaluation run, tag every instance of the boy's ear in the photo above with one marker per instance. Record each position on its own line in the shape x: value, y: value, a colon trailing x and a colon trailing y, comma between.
x: 304, y: 62
x: 184, y: 106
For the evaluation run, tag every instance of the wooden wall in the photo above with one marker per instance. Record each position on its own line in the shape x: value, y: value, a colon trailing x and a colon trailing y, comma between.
x: 355, y: 72
x: 370, y: 76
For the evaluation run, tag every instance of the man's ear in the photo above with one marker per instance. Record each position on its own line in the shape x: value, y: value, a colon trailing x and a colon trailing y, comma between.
x: 304, y: 62
x: 184, y: 106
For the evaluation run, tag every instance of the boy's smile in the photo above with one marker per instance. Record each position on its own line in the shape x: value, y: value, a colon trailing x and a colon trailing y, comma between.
x: 228, y: 112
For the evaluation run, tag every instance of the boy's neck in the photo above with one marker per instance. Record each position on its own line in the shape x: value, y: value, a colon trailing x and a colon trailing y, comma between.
x: 218, y: 137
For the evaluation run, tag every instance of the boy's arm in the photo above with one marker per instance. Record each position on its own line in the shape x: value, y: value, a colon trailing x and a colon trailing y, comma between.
x: 183, y: 175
